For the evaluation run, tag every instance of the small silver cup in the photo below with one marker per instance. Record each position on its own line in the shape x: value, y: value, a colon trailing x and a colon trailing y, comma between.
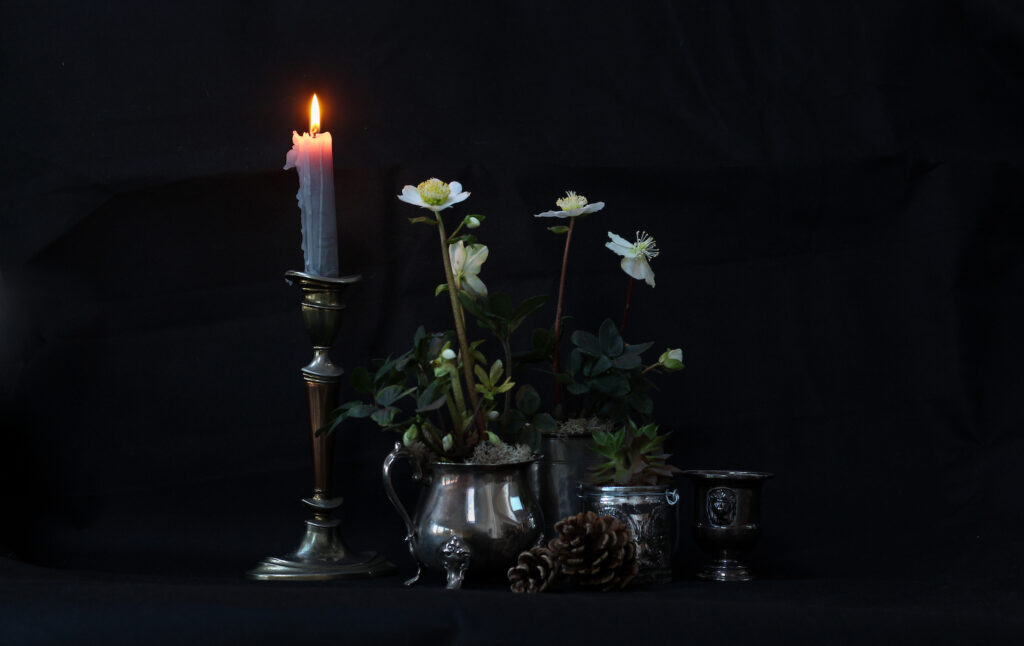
x: 726, y: 519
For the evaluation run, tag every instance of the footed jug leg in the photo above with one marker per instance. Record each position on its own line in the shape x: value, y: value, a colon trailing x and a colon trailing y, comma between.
x: 410, y: 539
x: 455, y: 555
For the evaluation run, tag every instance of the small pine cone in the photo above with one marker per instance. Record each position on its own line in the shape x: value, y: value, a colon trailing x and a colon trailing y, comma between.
x: 596, y: 551
x: 535, y: 571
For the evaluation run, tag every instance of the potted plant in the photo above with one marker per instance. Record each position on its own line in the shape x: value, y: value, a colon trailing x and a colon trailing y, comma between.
x: 456, y: 417
x: 633, y: 483
x: 605, y: 377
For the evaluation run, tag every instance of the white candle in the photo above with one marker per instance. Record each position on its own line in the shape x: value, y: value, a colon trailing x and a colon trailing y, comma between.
x: 311, y: 154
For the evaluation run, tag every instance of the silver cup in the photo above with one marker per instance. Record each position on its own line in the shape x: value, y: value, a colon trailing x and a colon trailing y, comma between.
x: 727, y: 519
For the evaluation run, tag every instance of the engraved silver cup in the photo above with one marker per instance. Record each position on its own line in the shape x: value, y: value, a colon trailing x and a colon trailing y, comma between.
x: 727, y: 519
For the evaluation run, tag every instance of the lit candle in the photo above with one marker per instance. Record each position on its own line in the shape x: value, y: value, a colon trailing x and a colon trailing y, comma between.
x: 311, y: 155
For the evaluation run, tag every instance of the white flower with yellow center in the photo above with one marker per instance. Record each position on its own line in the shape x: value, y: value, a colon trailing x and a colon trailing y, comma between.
x: 433, y: 194
x: 635, y: 255
x: 571, y: 206
x: 466, y: 264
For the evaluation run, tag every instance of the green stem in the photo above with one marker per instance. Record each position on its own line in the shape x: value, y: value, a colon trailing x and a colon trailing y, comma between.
x: 460, y: 325
x: 508, y: 393
x: 555, y: 362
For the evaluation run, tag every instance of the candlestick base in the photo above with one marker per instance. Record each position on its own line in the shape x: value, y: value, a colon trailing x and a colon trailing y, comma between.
x: 322, y: 554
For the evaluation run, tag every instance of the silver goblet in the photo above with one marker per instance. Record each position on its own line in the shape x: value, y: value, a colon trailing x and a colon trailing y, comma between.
x: 727, y: 519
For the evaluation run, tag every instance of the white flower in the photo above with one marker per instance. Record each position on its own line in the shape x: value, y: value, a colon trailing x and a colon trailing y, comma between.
x: 433, y: 194
x: 572, y: 205
x: 466, y: 265
x: 636, y: 255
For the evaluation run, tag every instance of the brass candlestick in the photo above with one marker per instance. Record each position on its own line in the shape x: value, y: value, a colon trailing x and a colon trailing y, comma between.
x: 322, y: 554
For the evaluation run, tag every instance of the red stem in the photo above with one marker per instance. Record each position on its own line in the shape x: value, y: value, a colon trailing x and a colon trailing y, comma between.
x: 555, y: 363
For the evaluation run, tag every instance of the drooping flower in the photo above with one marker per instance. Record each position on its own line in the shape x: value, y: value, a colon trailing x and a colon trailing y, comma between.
x: 433, y: 194
x: 635, y: 255
x: 571, y: 206
x: 466, y: 264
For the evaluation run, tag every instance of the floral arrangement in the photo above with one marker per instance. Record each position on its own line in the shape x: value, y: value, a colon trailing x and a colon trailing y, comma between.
x: 449, y: 402
x: 605, y: 373
x: 446, y: 399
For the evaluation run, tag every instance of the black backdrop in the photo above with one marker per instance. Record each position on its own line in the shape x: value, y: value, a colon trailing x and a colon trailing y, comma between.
x: 835, y: 189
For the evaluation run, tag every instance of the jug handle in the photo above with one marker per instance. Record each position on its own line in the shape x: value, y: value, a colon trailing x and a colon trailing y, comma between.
x: 410, y: 538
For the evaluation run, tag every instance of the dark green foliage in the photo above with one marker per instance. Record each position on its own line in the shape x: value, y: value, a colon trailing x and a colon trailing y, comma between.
x: 524, y: 422
x: 405, y: 392
x: 633, y: 456
x: 608, y: 375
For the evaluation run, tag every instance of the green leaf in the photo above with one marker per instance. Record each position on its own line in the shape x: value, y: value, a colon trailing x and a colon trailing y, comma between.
x: 384, y: 416
x: 391, y: 394
x: 586, y: 342
x: 545, y: 422
x: 361, y: 381
x: 626, y: 361
x: 440, y: 289
x: 575, y: 361
x: 527, y: 400
x: 577, y: 389
x: 434, y: 405
x: 559, y: 229
x: 362, y: 410
x: 496, y: 371
x: 611, y: 340
x: 500, y: 305
x: 611, y: 385
x: 641, y: 402
x: 638, y: 348
x: 524, y: 309
x: 598, y: 366
x: 423, y: 220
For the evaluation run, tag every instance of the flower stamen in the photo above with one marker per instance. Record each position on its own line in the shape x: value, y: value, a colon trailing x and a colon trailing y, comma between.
x: 433, y: 191
x: 571, y: 201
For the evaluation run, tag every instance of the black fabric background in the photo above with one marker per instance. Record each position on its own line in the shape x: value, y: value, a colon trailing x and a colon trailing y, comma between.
x: 836, y: 189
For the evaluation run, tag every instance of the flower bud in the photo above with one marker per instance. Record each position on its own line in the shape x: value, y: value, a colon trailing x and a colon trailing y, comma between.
x: 472, y: 222
x: 448, y: 354
x: 671, y: 359
x: 447, y: 442
x: 493, y: 415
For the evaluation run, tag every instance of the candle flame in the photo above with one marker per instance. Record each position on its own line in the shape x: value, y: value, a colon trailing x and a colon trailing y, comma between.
x: 314, y: 117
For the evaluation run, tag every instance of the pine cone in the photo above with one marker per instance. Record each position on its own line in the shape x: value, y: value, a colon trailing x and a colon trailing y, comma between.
x: 595, y: 551
x: 535, y: 570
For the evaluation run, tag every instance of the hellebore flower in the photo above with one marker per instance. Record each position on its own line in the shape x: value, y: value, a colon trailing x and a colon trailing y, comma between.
x: 572, y: 205
x: 635, y: 255
x: 433, y: 194
x: 466, y: 264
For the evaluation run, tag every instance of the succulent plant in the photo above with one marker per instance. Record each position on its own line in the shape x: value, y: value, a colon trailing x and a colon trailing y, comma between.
x: 633, y: 456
